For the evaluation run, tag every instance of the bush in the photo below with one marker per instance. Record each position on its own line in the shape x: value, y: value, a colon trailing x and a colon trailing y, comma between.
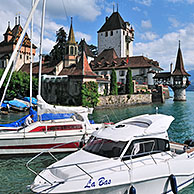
x: 19, y: 85
x: 90, y: 96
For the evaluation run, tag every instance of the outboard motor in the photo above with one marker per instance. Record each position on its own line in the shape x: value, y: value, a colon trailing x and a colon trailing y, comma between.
x: 189, y: 142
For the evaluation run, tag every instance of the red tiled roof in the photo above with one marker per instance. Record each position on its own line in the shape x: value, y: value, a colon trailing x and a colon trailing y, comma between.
x: 16, y: 33
x: 47, y: 68
x: 109, y: 60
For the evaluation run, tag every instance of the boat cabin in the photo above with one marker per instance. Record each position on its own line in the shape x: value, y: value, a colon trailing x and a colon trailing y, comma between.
x: 132, y: 138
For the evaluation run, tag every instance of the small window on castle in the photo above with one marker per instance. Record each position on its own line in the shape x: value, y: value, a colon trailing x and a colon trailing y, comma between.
x: 101, y: 34
x: 117, y: 31
x: 127, y: 46
x: 71, y: 50
x: 106, y: 34
x: 67, y: 50
x: 123, y: 33
x: 75, y: 51
x: 111, y: 33
x: 27, y: 57
x: 20, y: 56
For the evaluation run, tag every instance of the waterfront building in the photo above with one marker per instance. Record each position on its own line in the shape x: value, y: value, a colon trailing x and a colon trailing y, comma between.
x: 178, y: 79
x: 7, y: 46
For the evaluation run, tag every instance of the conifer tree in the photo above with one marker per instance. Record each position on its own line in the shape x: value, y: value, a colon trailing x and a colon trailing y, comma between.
x: 58, y: 51
x: 129, y: 82
x: 113, y: 83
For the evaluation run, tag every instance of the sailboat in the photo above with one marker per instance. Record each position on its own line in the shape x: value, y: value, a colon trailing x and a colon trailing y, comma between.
x: 65, y: 128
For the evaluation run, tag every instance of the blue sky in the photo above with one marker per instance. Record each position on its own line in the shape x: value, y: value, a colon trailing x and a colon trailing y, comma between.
x: 158, y: 24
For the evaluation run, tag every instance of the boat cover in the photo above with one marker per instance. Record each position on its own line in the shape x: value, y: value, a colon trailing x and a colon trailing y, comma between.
x: 34, y: 100
x: 17, y: 103
x: 44, y: 107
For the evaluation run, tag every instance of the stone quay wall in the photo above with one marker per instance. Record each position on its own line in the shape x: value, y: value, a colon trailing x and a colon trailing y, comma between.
x: 124, y: 100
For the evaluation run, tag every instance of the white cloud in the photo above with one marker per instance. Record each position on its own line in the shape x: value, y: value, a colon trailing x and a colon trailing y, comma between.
x: 136, y: 9
x: 149, y: 36
x: 174, y: 22
x: 182, y: 1
x: 146, y: 24
x: 144, y: 2
x: 80, y: 35
x: 164, y: 49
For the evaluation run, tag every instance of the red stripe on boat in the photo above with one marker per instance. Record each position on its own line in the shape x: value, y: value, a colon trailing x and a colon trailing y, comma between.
x: 42, y: 146
x: 57, y: 128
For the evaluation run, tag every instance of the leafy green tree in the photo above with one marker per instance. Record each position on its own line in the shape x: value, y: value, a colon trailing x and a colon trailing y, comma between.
x: 19, y: 85
x: 113, y: 83
x: 90, y: 94
x: 58, y: 51
x: 129, y: 82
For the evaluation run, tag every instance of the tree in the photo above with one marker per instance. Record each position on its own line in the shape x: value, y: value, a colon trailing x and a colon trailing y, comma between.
x: 93, y: 49
x: 90, y: 94
x: 113, y: 83
x: 129, y: 82
x: 58, y: 51
x: 19, y: 85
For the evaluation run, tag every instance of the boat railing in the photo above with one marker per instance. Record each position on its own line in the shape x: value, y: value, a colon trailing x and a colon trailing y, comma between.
x: 61, y: 166
x: 48, y: 151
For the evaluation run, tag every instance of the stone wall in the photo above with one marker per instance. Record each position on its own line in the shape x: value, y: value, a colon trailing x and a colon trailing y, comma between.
x: 124, y: 100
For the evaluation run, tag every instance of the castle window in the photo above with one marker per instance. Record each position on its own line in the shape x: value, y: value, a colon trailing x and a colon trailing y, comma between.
x: 67, y: 50
x: 20, y: 56
x: 121, y: 73
x: 27, y: 57
x: 127, y: 46
x: 123, y: 33
x: 75, y: 51
x: 106, y: 34
x: 117, y: 31
x: 71, y: 50
x: 111, y: 33
x: 101, y: 34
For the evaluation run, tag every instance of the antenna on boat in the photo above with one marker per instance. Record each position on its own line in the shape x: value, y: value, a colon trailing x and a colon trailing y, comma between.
x: 31, y: 56
x: 156, y: 110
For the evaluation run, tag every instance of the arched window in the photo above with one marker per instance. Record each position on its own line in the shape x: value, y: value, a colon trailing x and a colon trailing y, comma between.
x: 71, y: 50
x: 67, y: 50
x: 75, y: 50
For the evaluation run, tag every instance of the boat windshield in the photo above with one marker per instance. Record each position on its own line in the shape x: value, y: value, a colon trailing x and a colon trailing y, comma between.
x: 105, y: 147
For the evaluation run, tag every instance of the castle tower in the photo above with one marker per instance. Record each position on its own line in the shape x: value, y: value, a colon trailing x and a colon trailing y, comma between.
x: 71, y: 48
x: 118, y: 34
x: 179, y: 78
x: 8, y: 45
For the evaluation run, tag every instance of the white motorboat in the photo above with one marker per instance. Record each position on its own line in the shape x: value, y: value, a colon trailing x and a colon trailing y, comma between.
x: 69, y: 127
x: 132, y: 156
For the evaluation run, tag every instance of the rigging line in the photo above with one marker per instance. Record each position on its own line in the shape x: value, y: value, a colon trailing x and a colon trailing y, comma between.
x: 65, y: 12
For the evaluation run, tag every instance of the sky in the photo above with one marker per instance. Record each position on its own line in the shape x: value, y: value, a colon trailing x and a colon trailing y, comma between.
x: 158, y: 24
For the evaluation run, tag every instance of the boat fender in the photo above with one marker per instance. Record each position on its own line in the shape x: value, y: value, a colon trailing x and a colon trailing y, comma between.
x: 132, y: 190
x: 173, y: 183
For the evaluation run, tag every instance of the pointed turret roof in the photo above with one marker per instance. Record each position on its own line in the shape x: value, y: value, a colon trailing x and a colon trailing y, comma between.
x: 115, y: 21
x: 179, y: 67
x: 8, y: 31
x: 71, y: 37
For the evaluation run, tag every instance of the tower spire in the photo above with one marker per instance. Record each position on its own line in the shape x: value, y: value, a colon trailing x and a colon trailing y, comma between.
x: 179, y: 44
x: 71, y: 37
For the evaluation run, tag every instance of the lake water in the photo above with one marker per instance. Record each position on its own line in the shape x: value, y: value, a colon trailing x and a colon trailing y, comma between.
x: 14, y: 176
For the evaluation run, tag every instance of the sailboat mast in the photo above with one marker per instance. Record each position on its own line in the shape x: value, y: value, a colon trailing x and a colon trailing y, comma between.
x: 41, y: 39
x: 18, y: 44
x: 31, y: 57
